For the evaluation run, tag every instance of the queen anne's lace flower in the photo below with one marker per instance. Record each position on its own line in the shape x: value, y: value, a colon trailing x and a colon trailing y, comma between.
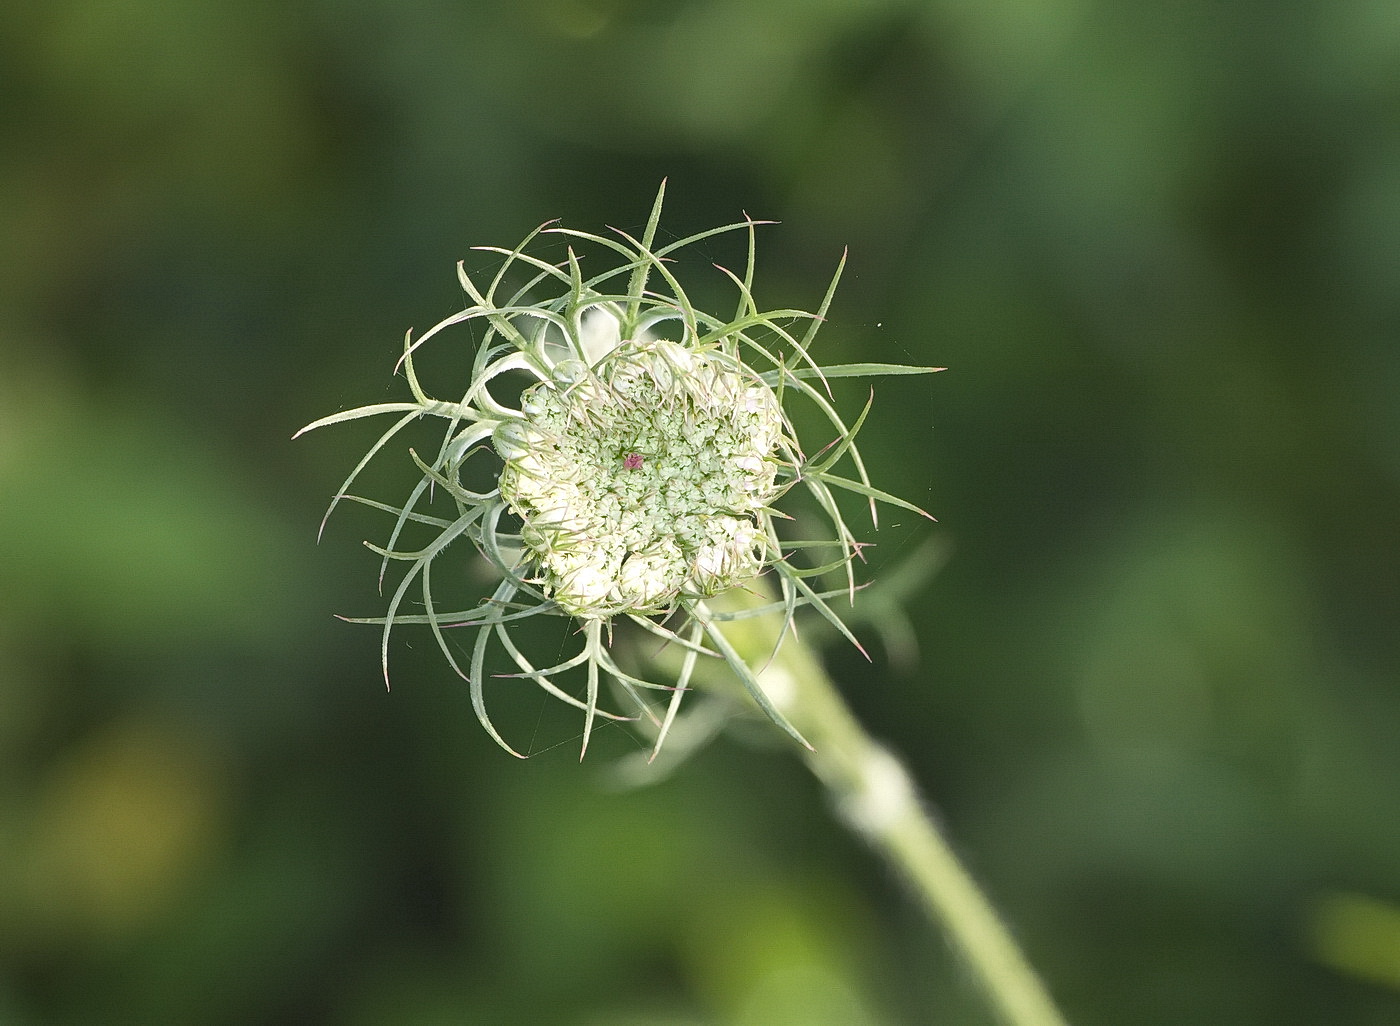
x: 639, y: 470
x: 641, y: 480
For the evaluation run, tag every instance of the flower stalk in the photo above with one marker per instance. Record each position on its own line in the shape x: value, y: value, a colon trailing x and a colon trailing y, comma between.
x: 874, y: 795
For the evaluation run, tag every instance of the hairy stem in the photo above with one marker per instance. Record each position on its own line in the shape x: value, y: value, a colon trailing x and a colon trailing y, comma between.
x: 875, y: 795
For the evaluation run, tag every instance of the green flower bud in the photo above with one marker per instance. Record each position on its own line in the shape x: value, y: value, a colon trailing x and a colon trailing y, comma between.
x: 639, y: 475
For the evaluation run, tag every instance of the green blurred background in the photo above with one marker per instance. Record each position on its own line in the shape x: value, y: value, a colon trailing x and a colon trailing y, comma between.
x: 1155, y: 699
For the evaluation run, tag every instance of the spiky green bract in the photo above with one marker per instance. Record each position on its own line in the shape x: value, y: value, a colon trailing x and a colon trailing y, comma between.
x: 638, y: 473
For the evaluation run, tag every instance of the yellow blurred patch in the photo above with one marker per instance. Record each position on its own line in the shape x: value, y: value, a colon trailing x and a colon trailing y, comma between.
x: 1357, y: 935
x: 119, y: 827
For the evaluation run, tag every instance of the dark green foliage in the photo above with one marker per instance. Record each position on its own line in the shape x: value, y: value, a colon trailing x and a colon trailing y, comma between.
x: 1155, y: 691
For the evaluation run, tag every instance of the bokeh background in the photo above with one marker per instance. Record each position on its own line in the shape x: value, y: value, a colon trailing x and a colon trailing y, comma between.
x: 1155, y: 697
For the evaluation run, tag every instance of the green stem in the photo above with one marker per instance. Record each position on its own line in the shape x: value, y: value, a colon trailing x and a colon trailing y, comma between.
x: 876, y: 796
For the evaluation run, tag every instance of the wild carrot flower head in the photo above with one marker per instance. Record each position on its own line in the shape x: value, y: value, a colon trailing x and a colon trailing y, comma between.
x: 641, y: 481
x: 639, y: 450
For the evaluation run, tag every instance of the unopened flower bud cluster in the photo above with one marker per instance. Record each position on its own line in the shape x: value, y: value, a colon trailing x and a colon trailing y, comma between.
x: 643, y: 478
